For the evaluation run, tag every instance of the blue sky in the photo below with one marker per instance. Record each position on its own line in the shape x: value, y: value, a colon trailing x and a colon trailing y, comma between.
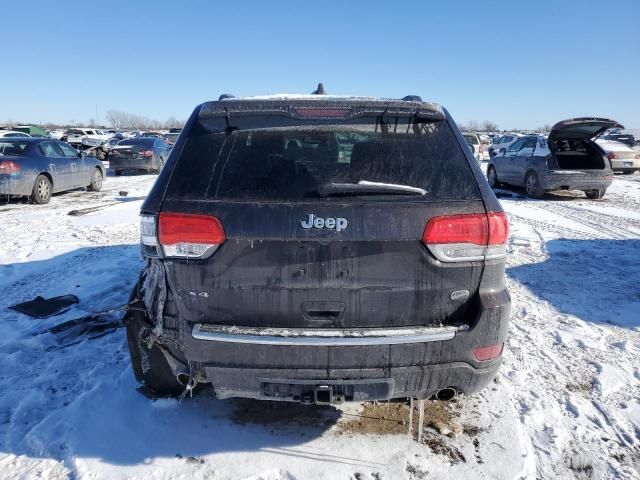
x: 520, y: 64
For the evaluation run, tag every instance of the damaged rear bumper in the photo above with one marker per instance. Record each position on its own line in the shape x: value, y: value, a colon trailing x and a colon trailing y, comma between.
x: 358, y: 385
x: 347, y: 366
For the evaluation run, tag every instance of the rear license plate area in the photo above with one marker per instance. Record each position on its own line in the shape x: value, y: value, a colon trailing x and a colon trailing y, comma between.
x: 628, y: 164
x: 324, y: 392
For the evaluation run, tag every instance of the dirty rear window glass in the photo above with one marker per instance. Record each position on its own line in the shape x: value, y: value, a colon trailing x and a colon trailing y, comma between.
x: 291, y: 163
x: 8, y: 147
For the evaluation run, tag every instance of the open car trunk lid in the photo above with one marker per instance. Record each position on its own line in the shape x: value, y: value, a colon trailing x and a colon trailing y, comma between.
x: 584, y: 128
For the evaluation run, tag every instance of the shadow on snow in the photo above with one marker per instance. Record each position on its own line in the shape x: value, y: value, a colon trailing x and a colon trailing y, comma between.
x: 595, y: 280
x: 82, y: 401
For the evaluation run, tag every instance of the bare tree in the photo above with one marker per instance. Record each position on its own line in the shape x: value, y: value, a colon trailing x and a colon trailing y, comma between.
x: 469, y: 126
x: 119, y: 119
x: 489, y: 126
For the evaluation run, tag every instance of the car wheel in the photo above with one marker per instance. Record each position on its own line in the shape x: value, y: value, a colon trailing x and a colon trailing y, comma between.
x: 492, y: 177
x: 596, y: 193
x: 41, y: 190
x: 118, y: 173
x: 96, y: 181
x: 158, y: 377
x: 532, y: 185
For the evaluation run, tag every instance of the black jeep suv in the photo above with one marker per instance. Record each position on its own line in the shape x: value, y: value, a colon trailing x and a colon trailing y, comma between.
x: 320, y: 249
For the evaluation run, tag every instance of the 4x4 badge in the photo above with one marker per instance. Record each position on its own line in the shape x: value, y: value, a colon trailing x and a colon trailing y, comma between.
x: 338, y: 223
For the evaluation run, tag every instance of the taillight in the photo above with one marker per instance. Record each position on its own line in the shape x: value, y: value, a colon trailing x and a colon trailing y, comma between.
x: 611, y: 155
x: 146, y: 153
x: 483, y: 354
x: 637, y: 155
x: 8, y: 167
x: 470, y: 237
x: 189, y: 236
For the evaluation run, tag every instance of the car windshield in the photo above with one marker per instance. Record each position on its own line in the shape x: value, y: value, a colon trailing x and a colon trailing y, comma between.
x: 471, y: 139
x: 289, y: 163
x: 12, y: 147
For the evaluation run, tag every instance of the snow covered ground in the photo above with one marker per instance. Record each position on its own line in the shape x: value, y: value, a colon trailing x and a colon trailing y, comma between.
x: 566, y: 403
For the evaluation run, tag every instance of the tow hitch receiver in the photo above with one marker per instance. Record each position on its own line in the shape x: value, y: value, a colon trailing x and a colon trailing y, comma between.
x: 327, y: 392
x: 324, y: 395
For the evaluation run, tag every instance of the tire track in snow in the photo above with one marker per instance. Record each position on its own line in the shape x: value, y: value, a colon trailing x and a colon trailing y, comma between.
x: 612, y: 226
x: 549, y: 364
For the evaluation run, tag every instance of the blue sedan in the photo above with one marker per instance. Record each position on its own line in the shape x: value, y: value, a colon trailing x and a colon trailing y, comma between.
x: 38, y: 167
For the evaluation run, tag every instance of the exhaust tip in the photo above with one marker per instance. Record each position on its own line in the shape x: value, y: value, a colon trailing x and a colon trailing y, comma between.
x: 446, y: 394
x: 183, y: 378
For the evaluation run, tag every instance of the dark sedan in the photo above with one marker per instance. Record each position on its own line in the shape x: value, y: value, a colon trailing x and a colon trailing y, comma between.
x: 38, y: 167
x: 142, y: 153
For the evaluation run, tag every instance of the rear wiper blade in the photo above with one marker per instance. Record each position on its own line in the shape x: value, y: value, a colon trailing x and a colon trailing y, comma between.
x: 364, y: 187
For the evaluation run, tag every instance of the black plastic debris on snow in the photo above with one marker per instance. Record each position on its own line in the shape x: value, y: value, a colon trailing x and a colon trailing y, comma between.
x: 84, y: 211
x: 44, y: 308
x: 77, y: 330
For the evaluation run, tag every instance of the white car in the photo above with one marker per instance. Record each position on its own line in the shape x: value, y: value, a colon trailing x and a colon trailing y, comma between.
x: 473, y: 139
x: 502, y: 144
x: 57, y: 134
x: 11, y: 133
x: 623, y: 159
x: 82, y: 138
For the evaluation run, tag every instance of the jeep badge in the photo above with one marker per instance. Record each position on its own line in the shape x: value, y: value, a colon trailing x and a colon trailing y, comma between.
x: 338, y: 223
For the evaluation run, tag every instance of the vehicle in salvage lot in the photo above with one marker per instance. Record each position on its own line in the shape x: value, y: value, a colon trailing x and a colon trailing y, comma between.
x: 82, y: 138
x: 142, y: 154
x: 623, y: 159
x: 320, y: 249
x: 567, y: 160
x: 38, y: 167
x: 500, y: 144
x: 475, y: 144
x: 617, y: 136
x: 13, y: 134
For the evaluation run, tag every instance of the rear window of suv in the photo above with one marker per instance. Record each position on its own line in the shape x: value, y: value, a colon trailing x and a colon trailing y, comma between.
x: 291, y: 163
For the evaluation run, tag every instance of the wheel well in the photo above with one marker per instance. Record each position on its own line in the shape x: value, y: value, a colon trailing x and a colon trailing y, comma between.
x: 48, y: 175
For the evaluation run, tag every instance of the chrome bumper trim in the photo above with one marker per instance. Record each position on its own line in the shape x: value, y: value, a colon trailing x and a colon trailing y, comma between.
x: 323, y: 337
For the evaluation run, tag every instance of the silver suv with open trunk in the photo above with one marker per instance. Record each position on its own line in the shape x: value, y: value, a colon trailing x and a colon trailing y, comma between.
x: 568, y: 159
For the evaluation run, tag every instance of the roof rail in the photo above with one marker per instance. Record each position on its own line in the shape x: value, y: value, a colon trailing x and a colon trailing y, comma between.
x: 412, y: 98
x: 225, y: 95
